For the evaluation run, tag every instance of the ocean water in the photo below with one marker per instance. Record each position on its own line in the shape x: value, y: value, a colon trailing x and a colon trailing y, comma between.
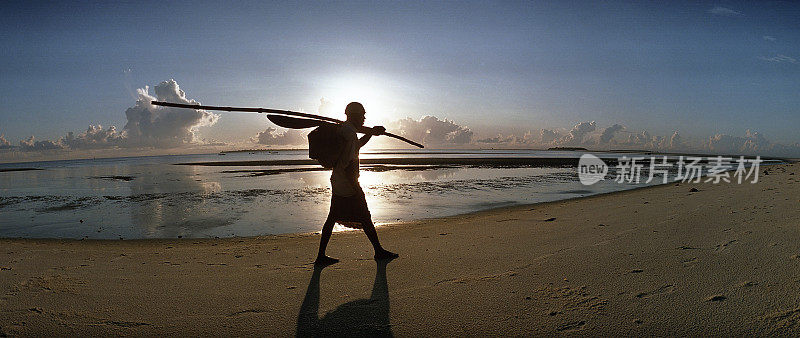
x: 155, y: 197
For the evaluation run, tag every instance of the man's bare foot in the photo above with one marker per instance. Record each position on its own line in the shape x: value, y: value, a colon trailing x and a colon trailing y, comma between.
x: 325, y: 260
x: 385, y: 254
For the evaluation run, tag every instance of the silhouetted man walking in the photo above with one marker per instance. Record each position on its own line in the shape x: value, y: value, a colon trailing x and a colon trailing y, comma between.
x: 348, y: 203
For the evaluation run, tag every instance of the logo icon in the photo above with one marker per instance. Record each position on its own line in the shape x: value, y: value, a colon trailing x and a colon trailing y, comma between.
x: 591, y: 169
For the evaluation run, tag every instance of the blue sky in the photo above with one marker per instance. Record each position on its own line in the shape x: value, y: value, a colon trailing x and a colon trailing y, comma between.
x: 702, y: 68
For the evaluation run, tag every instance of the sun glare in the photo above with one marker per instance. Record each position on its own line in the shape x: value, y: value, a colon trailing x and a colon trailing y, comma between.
x: 367, y: 90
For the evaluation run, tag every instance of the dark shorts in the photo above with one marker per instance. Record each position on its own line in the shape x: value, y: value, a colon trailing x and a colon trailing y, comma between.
x: 350, y: 211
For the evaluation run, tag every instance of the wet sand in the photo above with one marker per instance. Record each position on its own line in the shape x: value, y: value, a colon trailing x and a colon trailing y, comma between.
x: 465, y: 161
x: 491, y: 161
x: 664, y: 260
x: 375, y: 168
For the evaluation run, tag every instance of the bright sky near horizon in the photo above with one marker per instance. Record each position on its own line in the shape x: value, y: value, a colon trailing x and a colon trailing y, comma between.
x: 702, y: 68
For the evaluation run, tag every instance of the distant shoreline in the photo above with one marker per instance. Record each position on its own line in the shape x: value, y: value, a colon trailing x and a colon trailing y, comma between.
x: 18, y: 169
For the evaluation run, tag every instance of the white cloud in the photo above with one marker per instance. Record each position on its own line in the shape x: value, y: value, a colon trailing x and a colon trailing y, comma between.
x: 326, y: 107
x: 752, y: 143
x: 4, y: 144
x: 547, y: 136
x: 506, y: 140
x: 32, y: 145
x: 272, y: 137
x: 780, y: 58
x: 94, y: 137
x: 608, y: 133
x: 644, y: 140
x: 429, y: 130
x: 576, y: 136
x: 769, y: 38
x: 583, y: 134
x: 676, y: 141
x: 153, y: 127
x: 147, y: 126
x: 723, y: 11
x: 586, y: 134
x: 164, y: 127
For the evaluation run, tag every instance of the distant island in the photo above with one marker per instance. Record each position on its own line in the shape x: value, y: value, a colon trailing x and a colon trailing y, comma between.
x: 568, y: 148
x: 261, y: 149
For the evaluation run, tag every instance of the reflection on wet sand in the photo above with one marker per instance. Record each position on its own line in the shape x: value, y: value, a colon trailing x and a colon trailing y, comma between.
x: 368, y: 168
x: 152, y: 200
x: 168, y: 217
x: 167, y: 201
x: 270, y: 193
x: 359, y: 318
x: 471, y: 161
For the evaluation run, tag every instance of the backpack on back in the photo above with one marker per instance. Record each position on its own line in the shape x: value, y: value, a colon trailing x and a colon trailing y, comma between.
x: 325, y: 144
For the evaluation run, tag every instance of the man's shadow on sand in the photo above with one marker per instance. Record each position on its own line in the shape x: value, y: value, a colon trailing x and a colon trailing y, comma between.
x: 362, y: 317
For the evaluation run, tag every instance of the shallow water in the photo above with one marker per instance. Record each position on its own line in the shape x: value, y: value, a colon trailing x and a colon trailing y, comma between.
x: 151, y: 197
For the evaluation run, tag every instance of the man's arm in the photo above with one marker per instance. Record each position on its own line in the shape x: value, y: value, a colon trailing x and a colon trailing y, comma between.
x: 375, y: 131
x: 363, y: 140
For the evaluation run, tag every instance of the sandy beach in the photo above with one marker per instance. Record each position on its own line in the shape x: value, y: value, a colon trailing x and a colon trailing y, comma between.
x: 662, y: 260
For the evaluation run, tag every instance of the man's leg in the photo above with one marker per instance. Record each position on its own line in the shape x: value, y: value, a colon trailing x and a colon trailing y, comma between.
x: 369, y: 229
x: 327, y: 229
x: 380, y: 252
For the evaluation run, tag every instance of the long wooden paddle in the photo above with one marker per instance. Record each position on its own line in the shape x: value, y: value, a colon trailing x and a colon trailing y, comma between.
x: 294, y: 122
x: 362, y: 129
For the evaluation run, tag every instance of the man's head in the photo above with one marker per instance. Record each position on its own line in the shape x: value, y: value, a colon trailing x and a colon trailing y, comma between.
x: 355, y: 113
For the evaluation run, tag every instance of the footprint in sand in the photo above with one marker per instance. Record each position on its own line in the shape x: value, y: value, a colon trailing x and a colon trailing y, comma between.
x: 121, y: 323
x: 716, y: 298
x: 669, y: 288
x: 784, y: 321
x: 724, y: 246
x: 245, y: 312
x: 572, y: 326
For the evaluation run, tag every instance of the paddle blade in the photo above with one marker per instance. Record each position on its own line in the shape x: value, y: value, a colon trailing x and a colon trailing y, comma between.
x: 294, y: 122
